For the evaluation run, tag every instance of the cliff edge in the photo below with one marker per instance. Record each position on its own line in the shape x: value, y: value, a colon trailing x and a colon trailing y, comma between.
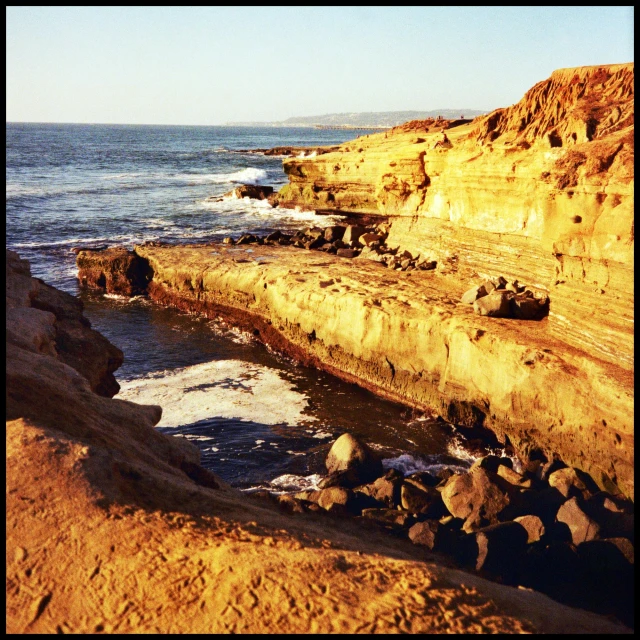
x: 541, y: 191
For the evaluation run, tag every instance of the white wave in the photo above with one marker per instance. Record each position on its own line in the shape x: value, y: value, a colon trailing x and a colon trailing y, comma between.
x: 408, y: 464
x: 221, y: 389
x: 289, y: 482
x: 250, y: 175
x: 124, y: 299
x: 321, y: 435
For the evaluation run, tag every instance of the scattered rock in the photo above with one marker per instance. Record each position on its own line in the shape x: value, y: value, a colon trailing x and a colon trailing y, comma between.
x: 349, y: 453
x: 424, y: 533
x: 470, y: 296
x: 581, y: 526
x: 494, y: 305
x: 533, y: 526
x: 257, y: 192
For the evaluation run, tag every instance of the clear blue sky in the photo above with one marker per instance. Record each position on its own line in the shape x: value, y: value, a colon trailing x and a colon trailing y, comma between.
x: 212, y: 65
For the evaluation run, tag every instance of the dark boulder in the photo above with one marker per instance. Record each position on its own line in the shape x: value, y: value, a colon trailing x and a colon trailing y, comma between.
x: 425, y: 533
x: 581, y: 527
x: 479, y: 497
x: 336, y: 232
x: 350, y: 454
x: 257, y: 192
x: 496, y: 549
x: 423, y: 500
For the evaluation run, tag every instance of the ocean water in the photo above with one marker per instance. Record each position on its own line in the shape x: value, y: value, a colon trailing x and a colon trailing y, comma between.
x: 259, y: 419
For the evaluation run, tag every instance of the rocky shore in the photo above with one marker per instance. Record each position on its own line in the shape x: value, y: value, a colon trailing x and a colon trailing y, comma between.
x: 114, y: 527
x: 485, y: 272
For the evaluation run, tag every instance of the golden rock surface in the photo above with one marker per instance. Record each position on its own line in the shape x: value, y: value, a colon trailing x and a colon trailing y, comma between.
x: 541, y: 191
x: 405, y: 336
x: 108, y: 531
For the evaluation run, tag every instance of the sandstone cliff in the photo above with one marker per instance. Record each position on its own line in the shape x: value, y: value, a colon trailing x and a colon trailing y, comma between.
x: 541, y: 191
x: 114, y: 527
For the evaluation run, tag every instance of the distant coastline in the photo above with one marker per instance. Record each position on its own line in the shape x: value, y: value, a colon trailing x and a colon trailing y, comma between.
x: 364, y: 120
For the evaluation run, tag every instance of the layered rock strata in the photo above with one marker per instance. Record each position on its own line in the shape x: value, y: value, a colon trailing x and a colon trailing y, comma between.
x: 405, y: 335
x: 541, y: 191
x: 114, y: 527
x: 45, y: 321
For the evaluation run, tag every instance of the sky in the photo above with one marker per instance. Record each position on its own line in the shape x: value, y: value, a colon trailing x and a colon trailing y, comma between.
x: 213, y: 65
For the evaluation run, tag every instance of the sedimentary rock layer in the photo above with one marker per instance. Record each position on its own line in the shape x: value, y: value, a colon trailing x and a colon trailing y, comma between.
x: 43, y: 320
x: 541, y: 190
x: 114, y: 527
x: 406, y: 336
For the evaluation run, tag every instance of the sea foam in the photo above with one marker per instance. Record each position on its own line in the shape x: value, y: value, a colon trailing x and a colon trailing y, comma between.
x: 224, y: 389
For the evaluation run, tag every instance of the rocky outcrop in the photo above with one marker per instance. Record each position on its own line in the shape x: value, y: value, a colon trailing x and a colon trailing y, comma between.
x: 45, y: 321
x: 541, y: 192
x: 407, y: 337
x: 114, y: 270
x: 114, y: 527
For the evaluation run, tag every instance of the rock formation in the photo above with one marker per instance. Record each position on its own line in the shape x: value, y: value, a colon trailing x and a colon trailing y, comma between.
x: 541, y: 191
x: 114, y: 527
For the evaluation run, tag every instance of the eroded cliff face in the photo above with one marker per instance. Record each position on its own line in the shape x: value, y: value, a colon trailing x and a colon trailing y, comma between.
x: 44, y: 320
x: 541, y: 191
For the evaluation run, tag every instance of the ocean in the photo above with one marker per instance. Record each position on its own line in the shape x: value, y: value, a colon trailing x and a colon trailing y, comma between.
x: 259, y: 419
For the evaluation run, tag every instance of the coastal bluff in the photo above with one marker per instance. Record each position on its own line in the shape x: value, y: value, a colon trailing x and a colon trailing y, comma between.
x: 114, y: 527
x: 540, y: 192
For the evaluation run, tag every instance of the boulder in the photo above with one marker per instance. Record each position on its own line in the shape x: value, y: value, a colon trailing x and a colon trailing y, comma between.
x: 424, y: 533
x: 479, y: 497
x: 533, y: 526
x: 334, y: 496
x: 427, y: 265
x: 115, y: 270
x: 228, y: 240
x: 495, y: 305
x: 614, y: 515
x: 496, y: 548
x: 385, y: 490
x: 352, y: 233
x: 347, y: 253
x: 247, y: 238
x: 489, y: 462
x: 336, y: 232
x: 513, y: 477
x: 350, y: 454
x: 423, y: 500
x: 471, y: 295
x: 254, y: 191
x: 314, y: 233
x: 568, y: 482
x: 315, y: 243
x: 423, y: 480
x: 367, y: 239
x: 581, y: 526
x: 273, y: 238
x: 389, y: 518
x: 528, y: 308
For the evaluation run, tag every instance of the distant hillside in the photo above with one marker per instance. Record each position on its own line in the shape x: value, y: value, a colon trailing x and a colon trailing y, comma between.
x: 367, y: 119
